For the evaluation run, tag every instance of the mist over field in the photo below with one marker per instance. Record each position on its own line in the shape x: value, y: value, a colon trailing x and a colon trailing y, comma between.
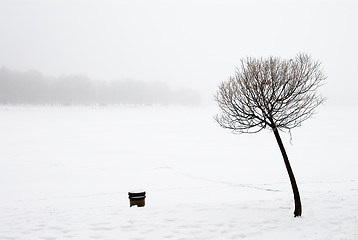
x: 189, y: 44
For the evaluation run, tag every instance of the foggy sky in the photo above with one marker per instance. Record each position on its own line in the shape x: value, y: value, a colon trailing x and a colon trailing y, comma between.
x: 186, y: 43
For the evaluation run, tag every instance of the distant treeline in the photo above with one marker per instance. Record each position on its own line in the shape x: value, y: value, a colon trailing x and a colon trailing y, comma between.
x: 34, y: 88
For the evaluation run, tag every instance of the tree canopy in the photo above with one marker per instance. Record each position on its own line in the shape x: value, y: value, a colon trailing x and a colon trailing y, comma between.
x: 270, y: 92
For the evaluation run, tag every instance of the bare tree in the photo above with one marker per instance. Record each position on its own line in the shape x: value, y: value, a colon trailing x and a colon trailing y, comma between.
x: 271, y: 93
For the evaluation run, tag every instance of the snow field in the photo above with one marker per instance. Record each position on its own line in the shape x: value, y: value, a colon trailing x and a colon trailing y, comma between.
x: 66, y: 171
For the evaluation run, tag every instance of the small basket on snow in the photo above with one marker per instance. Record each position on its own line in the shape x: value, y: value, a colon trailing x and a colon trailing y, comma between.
x: 136, y: 198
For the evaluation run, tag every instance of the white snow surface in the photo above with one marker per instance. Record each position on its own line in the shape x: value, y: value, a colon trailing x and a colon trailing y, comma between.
x: 65, y: 173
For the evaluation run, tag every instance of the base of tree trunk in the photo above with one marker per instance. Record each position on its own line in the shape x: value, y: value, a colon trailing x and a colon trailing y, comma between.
x: 298, y: 209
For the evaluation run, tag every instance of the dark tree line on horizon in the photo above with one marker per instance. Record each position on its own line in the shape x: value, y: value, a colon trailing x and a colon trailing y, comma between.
x: 34, y: 88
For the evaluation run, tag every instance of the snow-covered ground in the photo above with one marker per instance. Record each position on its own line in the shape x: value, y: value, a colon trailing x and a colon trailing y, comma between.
x: 65, y: 173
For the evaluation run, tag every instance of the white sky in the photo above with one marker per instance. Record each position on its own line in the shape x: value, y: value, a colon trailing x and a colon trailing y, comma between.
x: 187, y: 43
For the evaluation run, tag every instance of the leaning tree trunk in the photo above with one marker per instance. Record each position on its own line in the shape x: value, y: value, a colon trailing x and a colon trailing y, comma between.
x: 296, y: 194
